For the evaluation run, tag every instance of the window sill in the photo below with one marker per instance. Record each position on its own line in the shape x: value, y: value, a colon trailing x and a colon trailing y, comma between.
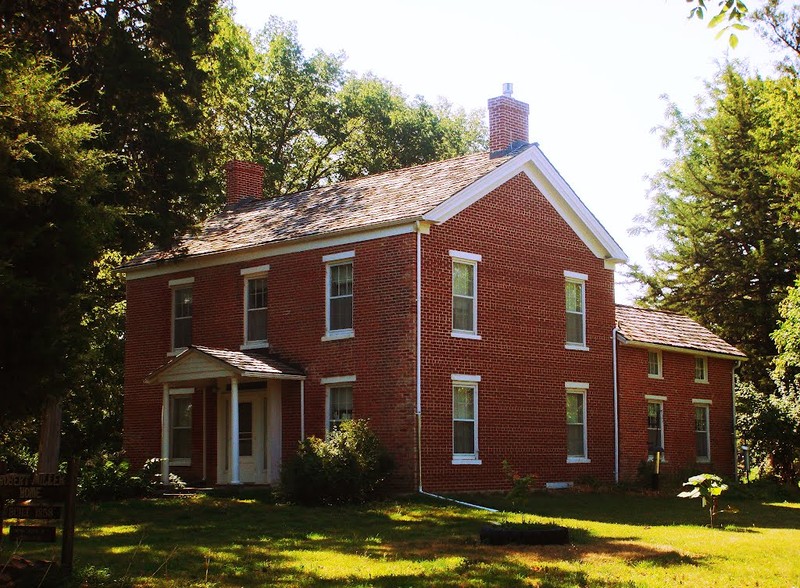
x: 703, y: 460
x: 176, y: 352
x: 701, y: 381
x: 254, y: 345
x: 463, y: 335
x: 181, y: 462
x: 576, y: 347
x: 336, y: 335
x: 654, y: 377
x: 466, y: 461
x: 578, y: 460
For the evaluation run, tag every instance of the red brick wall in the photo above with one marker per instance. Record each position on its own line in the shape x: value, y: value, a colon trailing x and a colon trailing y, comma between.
x: 679, y: 387
x: 381, y: 355
x: 525, y: 247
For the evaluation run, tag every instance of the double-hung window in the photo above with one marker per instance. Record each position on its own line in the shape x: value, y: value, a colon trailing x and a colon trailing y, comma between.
x: 654, y: 365
x: 255, y: 306
x: 465, y: 419
x: 180, y: 429
x: 701, y: 370
x: 339, y: 401
x: 702, y: 440
x: 339, y: 295
x: 576, y: 422
x: 655, y: 425
x: 575, y: 291
x: 465, y: 294
x: 181, y: 313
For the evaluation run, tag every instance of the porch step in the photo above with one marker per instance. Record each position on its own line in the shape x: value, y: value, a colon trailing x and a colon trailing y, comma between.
x: 183, y: 492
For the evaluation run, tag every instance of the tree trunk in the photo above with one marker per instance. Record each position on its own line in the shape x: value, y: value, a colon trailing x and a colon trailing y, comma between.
x: 49, y: 436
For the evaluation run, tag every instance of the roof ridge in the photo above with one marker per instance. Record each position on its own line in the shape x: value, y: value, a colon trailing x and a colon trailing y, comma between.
x: 660, y: 310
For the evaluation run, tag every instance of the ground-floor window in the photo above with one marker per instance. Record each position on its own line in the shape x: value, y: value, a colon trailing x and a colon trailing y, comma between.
x: 465, y: 421
x: 576, y: 424
x: 180, y: 434
x: 701, y: 433
x: 655, y: 427
x: 340, y: 406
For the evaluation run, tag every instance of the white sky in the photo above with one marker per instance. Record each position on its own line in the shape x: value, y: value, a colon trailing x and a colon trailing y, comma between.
x: 592, y: 71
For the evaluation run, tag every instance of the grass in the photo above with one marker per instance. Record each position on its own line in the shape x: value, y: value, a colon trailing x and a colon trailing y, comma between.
x: 618, y: 540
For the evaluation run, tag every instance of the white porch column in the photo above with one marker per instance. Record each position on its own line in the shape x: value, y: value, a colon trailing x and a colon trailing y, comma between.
x: 165, y: 435
x: 302, y: 410
x: 235, y: 431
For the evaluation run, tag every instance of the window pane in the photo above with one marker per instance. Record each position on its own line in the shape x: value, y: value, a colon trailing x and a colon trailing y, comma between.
x: 462, y: 314
x: 575, y: 409
x: 181, y: 444
x: 575, y: 328
x: 257, y: 325
x: 574, y: 292
x: 464, y: 437
x: 463, y: 279
x: 342, y: 279
x: 575, y: 440
x: 341, y: 316
x: 699, y: 368
x: 463, y: 402
x: 340, y: 405
x: 257, y: 293
x: 183, y: 302
x: 181, y: 412
x: 182, y: 320
x: 653, y: 363
x: 245, y: 429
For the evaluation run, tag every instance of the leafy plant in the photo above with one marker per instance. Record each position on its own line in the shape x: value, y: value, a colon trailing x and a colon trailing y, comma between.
x: 107, y: 477
x: 708, y: 488
x: 350, y: 466
x: 521, y: 486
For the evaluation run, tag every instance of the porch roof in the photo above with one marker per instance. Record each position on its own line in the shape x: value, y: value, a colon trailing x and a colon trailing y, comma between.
x: 201, y: 363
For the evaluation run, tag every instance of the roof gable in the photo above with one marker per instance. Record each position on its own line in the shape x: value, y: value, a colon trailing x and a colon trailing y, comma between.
x: 661, y: 328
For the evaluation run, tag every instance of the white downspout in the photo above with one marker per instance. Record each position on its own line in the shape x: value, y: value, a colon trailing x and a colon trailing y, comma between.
x: 614, y: 332
x: 165, y: 435
x: 419, y: 356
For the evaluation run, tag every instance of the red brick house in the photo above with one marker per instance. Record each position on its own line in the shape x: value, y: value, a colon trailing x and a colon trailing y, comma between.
x: 466, y: 307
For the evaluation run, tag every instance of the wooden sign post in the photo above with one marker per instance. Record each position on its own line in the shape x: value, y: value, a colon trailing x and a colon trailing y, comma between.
x: 41, y: 497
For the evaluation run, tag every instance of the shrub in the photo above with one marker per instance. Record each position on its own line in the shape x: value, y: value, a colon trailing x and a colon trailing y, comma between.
x: 107, y: 477
x: 350, y: 466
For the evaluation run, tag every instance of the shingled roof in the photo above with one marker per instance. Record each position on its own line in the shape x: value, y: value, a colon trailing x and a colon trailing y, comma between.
x: 670, y: 329
x: 372, y: 201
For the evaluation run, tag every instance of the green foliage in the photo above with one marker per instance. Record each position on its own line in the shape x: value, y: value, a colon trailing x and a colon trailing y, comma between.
x: 730, y: 14
x: 109, y: 477
x: 708, y: 488
x: 521, y: 486
x: 723, y: 207
x: 770, y: 424
x: 350, y: 466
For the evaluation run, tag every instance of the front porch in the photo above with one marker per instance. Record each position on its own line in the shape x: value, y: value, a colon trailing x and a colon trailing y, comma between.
x: 247, y: 442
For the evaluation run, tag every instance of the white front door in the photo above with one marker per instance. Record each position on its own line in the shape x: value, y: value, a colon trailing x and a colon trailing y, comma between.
x: 259, y: 435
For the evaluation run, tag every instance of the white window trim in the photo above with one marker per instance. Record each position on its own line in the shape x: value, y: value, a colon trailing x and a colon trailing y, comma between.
x: 331, y: 260
x: 705, y: 369
x: 180, y: 461
x: 335, y: 382
x: 577, y: 278
x: 174, y: 285
x: 660, y: 374
x: 698, y: 403
x: 581, y: 388
x: 472, y: 382
x: 253, y: 273
x: 466, y: 259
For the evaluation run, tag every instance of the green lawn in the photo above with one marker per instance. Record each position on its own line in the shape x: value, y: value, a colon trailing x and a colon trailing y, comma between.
x: 617, y: 540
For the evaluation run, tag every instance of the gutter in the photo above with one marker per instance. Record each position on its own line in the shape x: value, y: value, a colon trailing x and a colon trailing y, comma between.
x: 614, y: 332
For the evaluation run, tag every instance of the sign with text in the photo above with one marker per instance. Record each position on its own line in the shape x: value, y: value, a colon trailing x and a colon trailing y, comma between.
x: 33, y: 486
x: 37, y: 533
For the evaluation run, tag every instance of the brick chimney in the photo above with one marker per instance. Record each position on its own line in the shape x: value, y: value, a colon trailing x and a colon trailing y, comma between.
x: 244, y: 180
x: 508, y: 122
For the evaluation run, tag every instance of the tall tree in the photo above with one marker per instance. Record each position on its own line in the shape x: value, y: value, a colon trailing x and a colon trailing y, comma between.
x: 720, y: 205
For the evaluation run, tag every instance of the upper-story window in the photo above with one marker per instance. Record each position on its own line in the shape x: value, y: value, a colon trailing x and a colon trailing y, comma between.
x: 654, y: 365
x: 465, y: 294
x: 339, y: 295
x: 575, y: 289
x: 181, y: 312
x: 701, y: 370
x: 255, y: 306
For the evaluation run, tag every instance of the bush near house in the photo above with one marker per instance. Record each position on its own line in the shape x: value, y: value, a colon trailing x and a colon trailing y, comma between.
x: 351, y: 465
